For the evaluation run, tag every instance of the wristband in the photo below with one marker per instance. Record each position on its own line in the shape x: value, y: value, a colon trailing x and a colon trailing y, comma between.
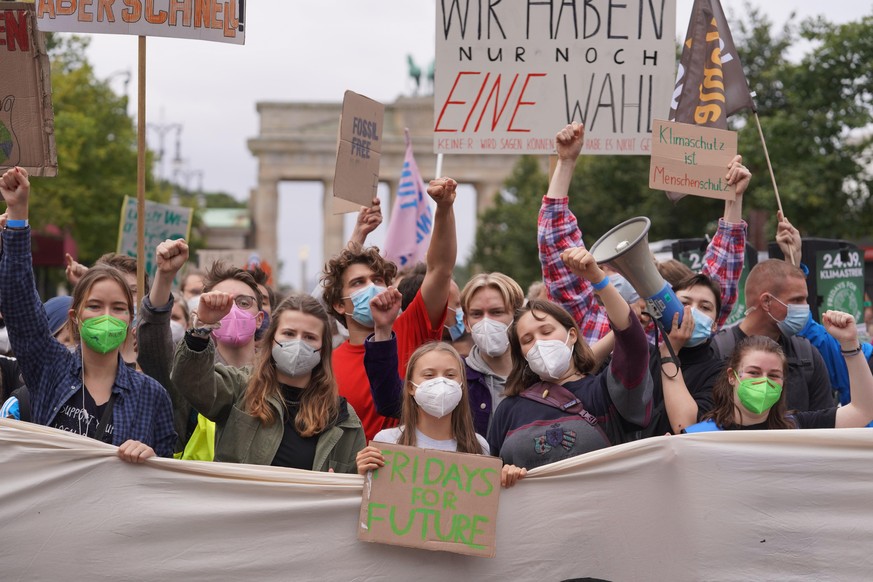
x: 669, y: 360
x: 852, y: 352
x: 16, y: 223
x: 602, y: 285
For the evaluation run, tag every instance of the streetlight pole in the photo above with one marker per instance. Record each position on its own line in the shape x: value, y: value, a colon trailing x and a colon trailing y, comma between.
x: 162, y: 129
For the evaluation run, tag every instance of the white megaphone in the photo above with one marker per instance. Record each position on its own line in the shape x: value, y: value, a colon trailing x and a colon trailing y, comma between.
x: 626, y: 249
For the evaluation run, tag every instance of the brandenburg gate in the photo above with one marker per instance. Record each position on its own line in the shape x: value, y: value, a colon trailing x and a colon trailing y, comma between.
x: 297, y: 141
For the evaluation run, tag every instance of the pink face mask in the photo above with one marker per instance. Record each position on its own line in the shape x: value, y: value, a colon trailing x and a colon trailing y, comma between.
x: 237, y: 328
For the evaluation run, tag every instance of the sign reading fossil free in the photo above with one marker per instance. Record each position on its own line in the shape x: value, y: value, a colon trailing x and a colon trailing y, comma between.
x: 26, y: 119
x: 433, y: 500
x: 509, y: 74
x: 216, y: 20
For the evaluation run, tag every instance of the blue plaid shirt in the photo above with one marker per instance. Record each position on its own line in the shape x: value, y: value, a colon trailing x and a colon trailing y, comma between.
x: 53, y: 374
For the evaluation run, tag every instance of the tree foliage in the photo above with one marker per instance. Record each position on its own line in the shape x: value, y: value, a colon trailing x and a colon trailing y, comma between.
x: 96, y: 143
x: 814, y: 113
x: 506, y: 234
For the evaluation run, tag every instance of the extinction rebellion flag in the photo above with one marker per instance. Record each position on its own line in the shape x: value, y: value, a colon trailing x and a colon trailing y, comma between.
x: 710, y: 84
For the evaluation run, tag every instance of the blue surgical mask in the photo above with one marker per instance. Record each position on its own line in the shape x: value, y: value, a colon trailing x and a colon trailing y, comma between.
x: 702, y: 329
x: 265, y: 325
x: 361, y: 301
x: 795, y: 319
x: 456, y: 330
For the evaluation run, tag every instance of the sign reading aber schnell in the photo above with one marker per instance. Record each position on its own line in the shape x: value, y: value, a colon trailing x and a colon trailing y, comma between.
x: 432, y: 500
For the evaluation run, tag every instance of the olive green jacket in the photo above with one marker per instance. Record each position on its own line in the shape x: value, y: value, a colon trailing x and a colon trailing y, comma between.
x: 216, y: 391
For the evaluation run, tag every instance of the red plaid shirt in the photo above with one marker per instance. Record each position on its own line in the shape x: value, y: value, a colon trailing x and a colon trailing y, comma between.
x: 558, y: 230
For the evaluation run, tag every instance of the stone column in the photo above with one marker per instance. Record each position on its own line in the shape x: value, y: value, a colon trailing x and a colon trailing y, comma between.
x: 486, y: 193
x: 265, y: 212
x: 333, y: 237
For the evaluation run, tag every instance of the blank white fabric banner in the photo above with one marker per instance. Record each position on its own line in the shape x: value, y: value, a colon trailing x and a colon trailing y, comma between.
x: 778, y: 505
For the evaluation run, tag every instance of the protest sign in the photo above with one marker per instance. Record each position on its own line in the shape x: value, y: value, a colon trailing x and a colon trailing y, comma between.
x: 215, y: 20
x: 27, y: 136
x: 840, y: 281
x: 162, y: 222
x: 434, y: 500
x: 692, y: 159
x: 511, y: 74
x: 358, y: 152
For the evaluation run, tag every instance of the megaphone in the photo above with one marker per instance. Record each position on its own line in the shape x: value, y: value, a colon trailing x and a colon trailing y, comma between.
x: 626, y: 249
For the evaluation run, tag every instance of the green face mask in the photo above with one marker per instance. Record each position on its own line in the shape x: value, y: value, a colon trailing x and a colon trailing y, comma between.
x: 103, y: 334
x: 758, y: 394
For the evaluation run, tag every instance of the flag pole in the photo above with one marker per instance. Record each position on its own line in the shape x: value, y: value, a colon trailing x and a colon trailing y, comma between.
x: 140, y: 171
x: 770, y: 168
x: 439, y: 166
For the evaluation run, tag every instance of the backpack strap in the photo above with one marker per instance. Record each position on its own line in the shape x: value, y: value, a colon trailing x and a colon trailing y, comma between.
x: 724, y: 342
x: 557, y: 396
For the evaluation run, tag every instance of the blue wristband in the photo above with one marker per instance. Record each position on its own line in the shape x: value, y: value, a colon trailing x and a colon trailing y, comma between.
x: 602, y: 285
x: 16, y: 223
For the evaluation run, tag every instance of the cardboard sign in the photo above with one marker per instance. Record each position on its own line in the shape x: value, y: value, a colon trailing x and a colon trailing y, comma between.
x: 358, y: 152
x: 162, y: 222
x: 27, y: 136
x: 432, y: 500
x: 216, y: 20
x: 692, y: 159
x: 510, y: 74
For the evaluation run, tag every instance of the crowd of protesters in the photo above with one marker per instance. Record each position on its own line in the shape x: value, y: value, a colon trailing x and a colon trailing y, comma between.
x: 224, y: 369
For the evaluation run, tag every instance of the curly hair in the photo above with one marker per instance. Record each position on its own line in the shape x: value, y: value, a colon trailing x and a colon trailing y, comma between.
x: 335, y: 268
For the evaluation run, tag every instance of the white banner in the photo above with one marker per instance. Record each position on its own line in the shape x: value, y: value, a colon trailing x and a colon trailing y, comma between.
x: 510, y: 74
x: 778, y: 505
x: 216, y: 20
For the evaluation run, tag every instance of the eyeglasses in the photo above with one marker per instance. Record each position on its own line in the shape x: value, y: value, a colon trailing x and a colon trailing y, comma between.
x: 244, y: 301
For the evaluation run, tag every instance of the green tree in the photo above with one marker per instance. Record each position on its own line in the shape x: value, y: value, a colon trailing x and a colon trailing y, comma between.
x: 810, y: 112
x: 96, y: 143
x: 506, y: 235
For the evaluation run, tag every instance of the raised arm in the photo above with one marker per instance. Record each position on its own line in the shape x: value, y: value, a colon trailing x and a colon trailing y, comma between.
x: 368, y: 220
x: 682, y: 409
x: 858, y: 412
x: 155, y: 354
x: 442, y: 252
x: 557, y: 231
x: 22, y: 309
x: 725, y: 254
x: 380, y: 354
x: 209, y: 387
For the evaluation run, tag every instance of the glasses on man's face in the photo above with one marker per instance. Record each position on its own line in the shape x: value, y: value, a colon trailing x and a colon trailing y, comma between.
x: 244, y: 301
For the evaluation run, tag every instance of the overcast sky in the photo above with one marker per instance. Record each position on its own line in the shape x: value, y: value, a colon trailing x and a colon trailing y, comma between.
x: 310, y: 51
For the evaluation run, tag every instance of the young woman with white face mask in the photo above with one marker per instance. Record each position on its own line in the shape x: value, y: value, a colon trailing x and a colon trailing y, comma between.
x: 436, y: 411
x: 556, y: 407
x: 488, y: 302
x: 285, y: 411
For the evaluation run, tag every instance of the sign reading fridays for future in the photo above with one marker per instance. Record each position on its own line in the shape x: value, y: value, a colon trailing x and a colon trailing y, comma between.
x: 692, y: 159
x: 433, y: 500
x: 162, y: 222
x: 215, y: 20
x: 511, y: 73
